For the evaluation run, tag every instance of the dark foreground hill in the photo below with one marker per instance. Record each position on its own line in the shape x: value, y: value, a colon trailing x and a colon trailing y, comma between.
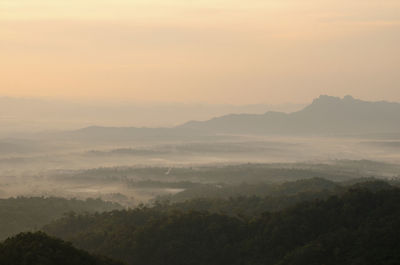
x: 357, y: 227
x: 40, y: 249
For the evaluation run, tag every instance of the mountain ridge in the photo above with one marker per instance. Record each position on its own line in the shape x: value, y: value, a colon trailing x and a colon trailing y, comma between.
x: 326, y: 115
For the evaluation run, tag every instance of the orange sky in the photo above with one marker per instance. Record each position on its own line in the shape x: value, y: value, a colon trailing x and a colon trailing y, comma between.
x: 217, y: 51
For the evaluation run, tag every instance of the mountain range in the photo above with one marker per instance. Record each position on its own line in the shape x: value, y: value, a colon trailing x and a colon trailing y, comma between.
x: 326, y: 115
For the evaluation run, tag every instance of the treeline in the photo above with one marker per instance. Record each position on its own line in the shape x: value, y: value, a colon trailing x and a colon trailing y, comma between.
x: 249, y: 200
x: 359, y: 226
x: 224, y: 191
x: 31, y: 213
x: 304, y: 188
x: 250, y: 173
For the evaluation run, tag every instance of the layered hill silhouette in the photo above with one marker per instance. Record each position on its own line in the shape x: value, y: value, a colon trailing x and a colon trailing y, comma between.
x: 359, y: 226
x: 326, y: 115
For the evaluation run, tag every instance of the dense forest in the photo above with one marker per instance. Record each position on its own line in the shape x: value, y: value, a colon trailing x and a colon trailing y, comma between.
x: 31, y: 213
x: 359, y: 226
x: 223, y: 190
x: 173, y: 132
x: 306, y: 221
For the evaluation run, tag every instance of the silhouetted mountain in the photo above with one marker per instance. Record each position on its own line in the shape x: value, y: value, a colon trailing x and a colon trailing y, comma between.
x: 325, y: 115
x: 27, y: 115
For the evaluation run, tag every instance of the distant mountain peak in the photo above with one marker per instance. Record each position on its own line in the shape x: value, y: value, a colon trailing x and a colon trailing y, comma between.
x: 325, y: 99
x: 349, y: 98
x: 325, y: 115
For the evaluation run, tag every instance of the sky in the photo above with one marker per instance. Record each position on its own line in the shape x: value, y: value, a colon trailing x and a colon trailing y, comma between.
x: 212, y: 51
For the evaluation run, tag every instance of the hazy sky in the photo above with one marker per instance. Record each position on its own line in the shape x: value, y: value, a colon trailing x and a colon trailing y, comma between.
x: 217, y: 51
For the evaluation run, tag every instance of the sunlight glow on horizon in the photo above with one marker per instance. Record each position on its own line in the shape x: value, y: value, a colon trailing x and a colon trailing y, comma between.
x: 221, y: 51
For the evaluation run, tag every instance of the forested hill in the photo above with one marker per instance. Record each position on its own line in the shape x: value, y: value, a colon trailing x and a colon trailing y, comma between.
x: 357, y: 227
x: 40, y: 249
x: 31, y: 213
x: 325, y: 115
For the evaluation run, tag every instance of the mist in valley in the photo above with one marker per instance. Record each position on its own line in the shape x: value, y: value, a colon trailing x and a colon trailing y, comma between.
x: 199, y: 132
x: 53, y: 163
x: 58, y: 181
